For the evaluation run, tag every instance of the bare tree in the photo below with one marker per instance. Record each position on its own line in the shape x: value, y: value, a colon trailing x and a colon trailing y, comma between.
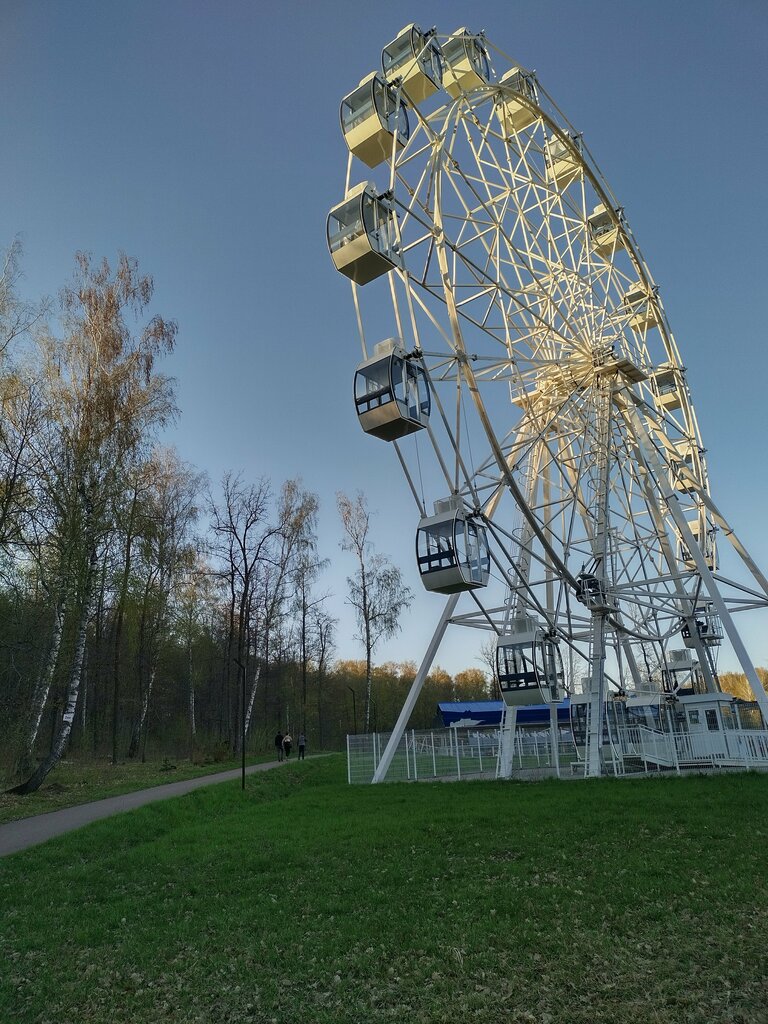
x: 165, y: 546
x: 376, y: 589
x: 323, y: 627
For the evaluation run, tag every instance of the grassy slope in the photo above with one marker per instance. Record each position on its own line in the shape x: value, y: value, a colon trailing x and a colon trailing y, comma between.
x: 591, y: 903
x: 79, y: 782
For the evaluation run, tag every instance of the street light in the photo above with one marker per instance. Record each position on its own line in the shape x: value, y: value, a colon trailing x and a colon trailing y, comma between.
x: 241, y: 668
x: 354, y: 708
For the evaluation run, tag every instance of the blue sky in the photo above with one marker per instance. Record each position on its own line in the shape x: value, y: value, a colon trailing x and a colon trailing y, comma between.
x: 203, y: 139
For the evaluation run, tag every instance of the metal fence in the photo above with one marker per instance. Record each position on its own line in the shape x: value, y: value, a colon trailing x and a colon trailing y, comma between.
x: 454, y: 754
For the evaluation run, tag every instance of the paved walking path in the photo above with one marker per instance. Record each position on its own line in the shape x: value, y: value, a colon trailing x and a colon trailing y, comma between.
x: 18, y: 835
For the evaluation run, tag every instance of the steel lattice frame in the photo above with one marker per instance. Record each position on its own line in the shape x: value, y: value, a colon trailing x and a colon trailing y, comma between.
x: 545, y: 419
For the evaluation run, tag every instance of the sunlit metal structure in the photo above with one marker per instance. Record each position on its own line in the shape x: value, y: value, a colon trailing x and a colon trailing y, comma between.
x: 560, y: 419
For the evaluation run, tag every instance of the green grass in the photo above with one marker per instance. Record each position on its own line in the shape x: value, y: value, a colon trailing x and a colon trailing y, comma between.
x: 79, y: 782
x: 305, y: 900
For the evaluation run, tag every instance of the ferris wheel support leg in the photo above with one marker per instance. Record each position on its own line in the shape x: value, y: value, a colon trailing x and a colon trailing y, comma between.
x: 554, y: 732
x: 507, y: 741
x: 700, y: 562
x: 593, y: 754
x: 413, y: 695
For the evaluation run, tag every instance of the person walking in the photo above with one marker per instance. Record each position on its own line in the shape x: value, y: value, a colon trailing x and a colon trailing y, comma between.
x: 302, y: 745
x: 279, y: 746
x: 287, y: 741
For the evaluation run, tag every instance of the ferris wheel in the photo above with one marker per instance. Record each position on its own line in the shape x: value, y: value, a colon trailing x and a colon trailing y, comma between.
x: 517, y: 357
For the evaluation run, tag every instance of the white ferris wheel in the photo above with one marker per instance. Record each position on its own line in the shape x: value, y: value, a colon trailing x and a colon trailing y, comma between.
x: 517, y: 357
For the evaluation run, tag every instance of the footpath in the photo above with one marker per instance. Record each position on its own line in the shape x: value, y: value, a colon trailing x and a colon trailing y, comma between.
x: 20, y: 835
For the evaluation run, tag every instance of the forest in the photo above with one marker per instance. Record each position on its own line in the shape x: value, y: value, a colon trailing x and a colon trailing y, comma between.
x: 144, y: 608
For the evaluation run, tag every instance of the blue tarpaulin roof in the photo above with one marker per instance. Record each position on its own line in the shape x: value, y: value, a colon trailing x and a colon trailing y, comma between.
x: 476, y: 713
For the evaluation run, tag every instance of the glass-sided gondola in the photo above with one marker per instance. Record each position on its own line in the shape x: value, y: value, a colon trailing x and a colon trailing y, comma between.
x: 640, y: 302
x: 667, y: 387
x: 466, y: 63
x: 414, y: 57
x: 514, y: 112
x: 529, y: 666
x: 452, y: 549
x: 605, y: 229
x: 392, y: 397
x: 373, y: 117
x: 362, y: 235
x: 563, y: 160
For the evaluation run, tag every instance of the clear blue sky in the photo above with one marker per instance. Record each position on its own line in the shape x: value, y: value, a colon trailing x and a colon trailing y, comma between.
x: 203, y: 139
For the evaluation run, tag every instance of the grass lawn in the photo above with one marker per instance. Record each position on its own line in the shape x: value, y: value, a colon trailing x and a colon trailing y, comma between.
x: 305, y: 901
x: 79, y: 782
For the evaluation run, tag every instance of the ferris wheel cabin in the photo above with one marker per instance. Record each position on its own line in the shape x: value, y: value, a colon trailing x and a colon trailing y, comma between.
x: 372, y: 118
x: 362, y: 236
x: 680, y: 674
x: 605, y: 230
x: 703, y: 541
x: 514, y: 112
x: 667, y: 387
x: 529, y: 666
x: 708, y: 627
x: 452, y: 550
x: 685, y: 471
x: 641, y: 304
x: 466, y: 63
x: 563, y: 160
x: 416, y: 59
x: 392, y: 397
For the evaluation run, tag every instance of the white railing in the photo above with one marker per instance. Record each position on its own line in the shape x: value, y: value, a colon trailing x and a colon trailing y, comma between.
x: 453, y: 754
x: 746, y: 748
x: 472, y: 753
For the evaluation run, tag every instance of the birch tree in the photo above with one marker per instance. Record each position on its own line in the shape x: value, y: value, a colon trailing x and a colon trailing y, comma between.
x: 104, y: 398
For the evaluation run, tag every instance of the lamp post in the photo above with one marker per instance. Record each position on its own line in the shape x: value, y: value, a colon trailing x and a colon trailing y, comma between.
x: 241, y: 668
x: 354, y: 708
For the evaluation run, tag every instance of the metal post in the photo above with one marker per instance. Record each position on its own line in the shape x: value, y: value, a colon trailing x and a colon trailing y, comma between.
x: 555, y: 737
x: 674, y: 739
x: 349, y: 766
x: 407, y: 758
x: 413, y: 695
x: 415, y: 769
x: 507, y: 741
x: 479, y: 752
x: 458, y: 759
x: 434, y: 766
x: 741, y: 739
x: 354, y: 709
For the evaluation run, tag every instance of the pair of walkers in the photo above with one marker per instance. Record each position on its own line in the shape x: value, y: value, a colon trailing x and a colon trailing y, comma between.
x: 284, y: 743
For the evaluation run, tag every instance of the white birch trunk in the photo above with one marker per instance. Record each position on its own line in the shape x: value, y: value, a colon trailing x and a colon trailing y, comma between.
x: 145, y: 702
x: 73, y: 690
x: 249, y: 713
x: 43, y: 687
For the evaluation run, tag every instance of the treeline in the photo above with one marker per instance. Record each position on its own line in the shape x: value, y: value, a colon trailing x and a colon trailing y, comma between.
x: 140, y: 608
